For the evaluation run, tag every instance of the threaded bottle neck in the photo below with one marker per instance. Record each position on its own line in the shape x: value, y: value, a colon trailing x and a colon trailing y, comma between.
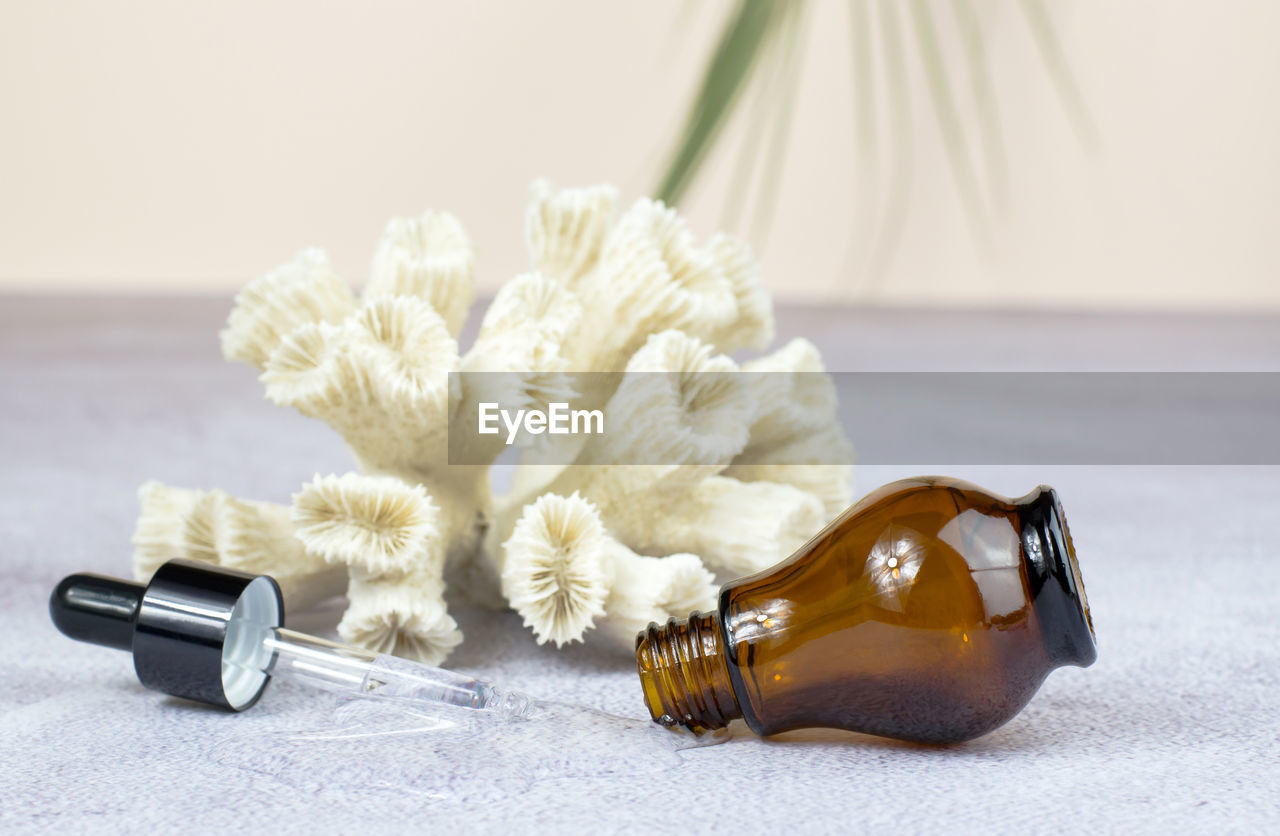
x: 685, y: 674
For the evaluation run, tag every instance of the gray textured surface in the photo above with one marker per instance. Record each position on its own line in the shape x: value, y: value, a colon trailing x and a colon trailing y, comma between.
x: 1175, y: 726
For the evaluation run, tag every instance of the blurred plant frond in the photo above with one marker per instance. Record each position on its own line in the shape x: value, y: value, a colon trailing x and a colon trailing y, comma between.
x: 752, y: 27
x: 761, y: 47
x: 1059, y: 70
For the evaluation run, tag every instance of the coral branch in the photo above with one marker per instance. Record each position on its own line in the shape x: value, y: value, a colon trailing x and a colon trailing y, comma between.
x: 753, y: 326
x: 816, y: 459
x: 832, y: 484
x: 684, y: 405
x: 388, y: 532
x: 516, y: 360
x: 403, y: 615
x: 554, y: 571
x: 302, y: 291
x: 687, y: 415
x: 651, y: 278
x: 565, y: 228
x: 533, y: 304
x: 381, y: 380
x: 428, y: 257
x: 377, y: 525
x: 648, y: 589
x: 738, y: 527
x: 795, y: 394
x: 564, y: 574
x: 215, y: 527
x: 796, y: 437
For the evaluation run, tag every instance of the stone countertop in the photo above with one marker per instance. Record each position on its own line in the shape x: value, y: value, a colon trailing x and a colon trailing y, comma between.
x: 1175, y: 726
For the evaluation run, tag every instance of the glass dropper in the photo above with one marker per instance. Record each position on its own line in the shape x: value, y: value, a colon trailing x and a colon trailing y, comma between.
x: 214, y: 635
x: 353, y: 671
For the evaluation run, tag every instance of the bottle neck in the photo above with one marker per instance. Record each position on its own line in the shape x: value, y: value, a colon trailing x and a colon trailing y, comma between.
x: 1053, y: 575
x: 685, y: 674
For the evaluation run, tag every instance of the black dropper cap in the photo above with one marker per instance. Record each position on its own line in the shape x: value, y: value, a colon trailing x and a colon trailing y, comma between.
x: 97, y: 609
x: 176, y: 626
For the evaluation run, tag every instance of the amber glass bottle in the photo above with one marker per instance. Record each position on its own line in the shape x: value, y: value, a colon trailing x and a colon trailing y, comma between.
x: 930, y: 611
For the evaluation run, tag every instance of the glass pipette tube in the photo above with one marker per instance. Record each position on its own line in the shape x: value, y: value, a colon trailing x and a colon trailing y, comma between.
x: 353, y: 671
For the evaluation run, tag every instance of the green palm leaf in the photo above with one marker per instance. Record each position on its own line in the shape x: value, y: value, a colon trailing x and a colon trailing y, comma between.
x: 759, y: 44
x: 750, y: 27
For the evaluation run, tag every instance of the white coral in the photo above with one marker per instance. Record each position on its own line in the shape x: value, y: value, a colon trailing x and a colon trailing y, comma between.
x: 215, y: 527
x: 796, y: 435
x: 706, y: 465
x: 304, y: 290
x: 556, y: 572
x: 738, y: 527
x: 565, y: 228
x: 653, y: 589
x: 377, y: 524
x: 430, y: 258
x: 564, y: 574
x: 652, y: 277
x: 401, y: 615
x: 753, y: 326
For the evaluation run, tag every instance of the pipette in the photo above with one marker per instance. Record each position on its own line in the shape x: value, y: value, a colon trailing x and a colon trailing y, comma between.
x: 214, y: 635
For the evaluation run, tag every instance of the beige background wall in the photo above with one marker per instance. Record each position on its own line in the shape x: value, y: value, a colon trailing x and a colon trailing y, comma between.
x: 153, y: 145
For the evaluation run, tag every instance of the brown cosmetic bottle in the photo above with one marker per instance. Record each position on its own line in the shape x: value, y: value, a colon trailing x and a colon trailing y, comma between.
x: 930, y: 611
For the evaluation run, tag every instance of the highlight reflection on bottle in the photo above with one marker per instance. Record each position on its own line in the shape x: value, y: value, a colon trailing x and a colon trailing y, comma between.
x: 930, y: 611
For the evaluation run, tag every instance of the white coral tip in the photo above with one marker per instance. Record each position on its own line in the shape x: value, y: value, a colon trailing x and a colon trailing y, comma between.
x: 429, y: 257
x: 535, y: 303
x: 304, y: 290
x: 215, y: 527
x: 401, y: 619
x: 411, y: 351
x: 795, y: 398
x: 753, y: 326
x: 649, y: 589
x: 743, y: 527
x: 797, y: 356
x: 832, y: 484
x: 686, y: 585
x: 651, y: 277
x: 565, y: 228
x: 376, y: 523
x: 555, y: 571
x: 652, y: 244
x: 516, y: 360
x: 159, y: 534
x: 684, y: 405
x: 300, y: 372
